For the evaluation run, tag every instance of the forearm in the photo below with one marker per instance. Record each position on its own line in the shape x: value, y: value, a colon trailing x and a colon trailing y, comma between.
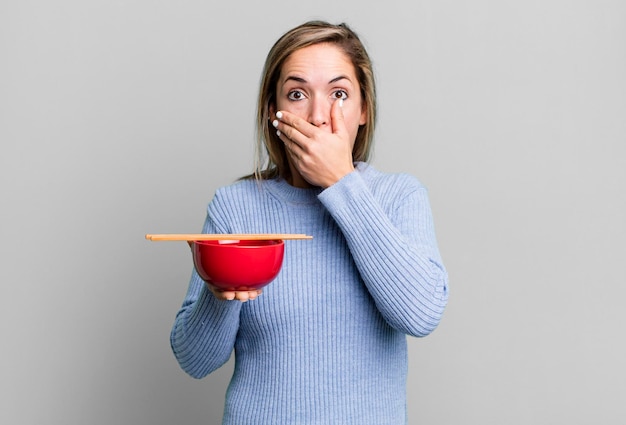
x: 204, y: 331
x: 397, y: 256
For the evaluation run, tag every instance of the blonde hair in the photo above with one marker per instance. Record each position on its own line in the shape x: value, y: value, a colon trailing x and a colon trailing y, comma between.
x: 271, y: 158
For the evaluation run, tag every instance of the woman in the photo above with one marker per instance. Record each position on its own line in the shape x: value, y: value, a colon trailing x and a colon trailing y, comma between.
x: 326, y: 341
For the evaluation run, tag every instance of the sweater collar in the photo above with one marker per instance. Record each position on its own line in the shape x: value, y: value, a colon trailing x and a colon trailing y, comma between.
x: 285, y: 192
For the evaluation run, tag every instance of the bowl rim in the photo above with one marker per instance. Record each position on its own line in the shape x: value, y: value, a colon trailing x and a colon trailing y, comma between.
x: 235, y: 243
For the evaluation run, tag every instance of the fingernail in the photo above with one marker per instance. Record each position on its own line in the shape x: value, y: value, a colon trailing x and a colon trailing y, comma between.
x: 279, y: 115
x: 275, y: 123
x: 278, y: 133
x: 341, y: 103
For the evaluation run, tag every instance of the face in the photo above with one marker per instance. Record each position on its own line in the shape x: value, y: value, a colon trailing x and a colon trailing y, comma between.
x: 314, y: 77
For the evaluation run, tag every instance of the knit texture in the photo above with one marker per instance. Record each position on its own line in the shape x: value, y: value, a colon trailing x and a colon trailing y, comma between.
x: 326, y: 341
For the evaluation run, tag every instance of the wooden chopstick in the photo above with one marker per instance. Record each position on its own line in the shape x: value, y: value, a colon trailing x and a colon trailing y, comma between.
x: 225, y: 236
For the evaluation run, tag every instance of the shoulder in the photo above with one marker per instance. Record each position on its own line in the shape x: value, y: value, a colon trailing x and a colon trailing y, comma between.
x: 237, y: 194
x: 244, y: 187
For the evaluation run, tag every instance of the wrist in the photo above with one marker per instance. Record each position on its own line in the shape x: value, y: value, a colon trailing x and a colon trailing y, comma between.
x: 338, y: 176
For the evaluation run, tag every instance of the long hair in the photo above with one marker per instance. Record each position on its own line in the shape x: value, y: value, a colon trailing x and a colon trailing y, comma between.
x: 271, y: 157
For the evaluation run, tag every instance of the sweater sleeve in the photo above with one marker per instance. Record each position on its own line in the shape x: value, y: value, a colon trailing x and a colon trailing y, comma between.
x: 205, y: 328
x: 394, y: 249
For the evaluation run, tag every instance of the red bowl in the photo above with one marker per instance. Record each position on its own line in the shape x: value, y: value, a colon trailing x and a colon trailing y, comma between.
x: 238, y: 265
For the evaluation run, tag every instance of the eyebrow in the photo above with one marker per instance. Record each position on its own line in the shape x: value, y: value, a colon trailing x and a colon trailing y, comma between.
x: 303, y: 81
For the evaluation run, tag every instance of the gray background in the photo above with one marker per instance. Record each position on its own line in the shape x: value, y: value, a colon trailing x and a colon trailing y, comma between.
x: 122, y: 118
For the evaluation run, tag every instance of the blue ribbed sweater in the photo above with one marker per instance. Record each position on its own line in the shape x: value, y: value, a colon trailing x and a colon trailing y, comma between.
x: 326, y: 341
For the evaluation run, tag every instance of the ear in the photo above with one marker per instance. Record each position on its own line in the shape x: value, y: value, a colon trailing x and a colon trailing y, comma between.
x: 363, y: 118
x: 272, y: 111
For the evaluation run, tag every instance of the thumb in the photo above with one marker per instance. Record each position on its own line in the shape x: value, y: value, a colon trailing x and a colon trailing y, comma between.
x: 336, y: 118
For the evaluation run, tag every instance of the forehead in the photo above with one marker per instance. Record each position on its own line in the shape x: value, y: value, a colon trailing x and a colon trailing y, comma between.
x: 319, y: 59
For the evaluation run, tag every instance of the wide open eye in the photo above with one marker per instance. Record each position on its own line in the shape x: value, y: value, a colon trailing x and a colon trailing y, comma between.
x: 340, y: 94
x: 295, y: 95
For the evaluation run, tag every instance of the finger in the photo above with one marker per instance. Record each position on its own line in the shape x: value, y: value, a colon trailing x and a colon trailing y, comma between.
x: 228, y: 296
x: 293, y: 148
x: 284, y: 131
x: 293, y: 125
x: 253, y: 294
x: 337, y: 121
x: 242, y: 296
x: 223, y: 295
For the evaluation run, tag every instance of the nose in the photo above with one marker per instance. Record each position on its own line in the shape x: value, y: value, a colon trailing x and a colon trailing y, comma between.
x: 319, y: 112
